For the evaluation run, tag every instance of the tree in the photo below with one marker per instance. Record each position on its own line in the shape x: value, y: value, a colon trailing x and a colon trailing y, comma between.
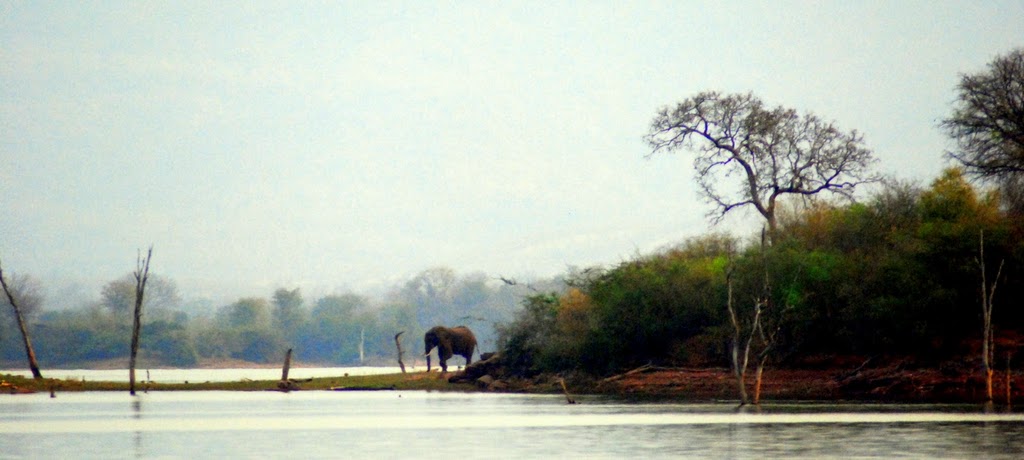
x: 988, y: 119
x: 333, y: 334
x: 288, y: 314
x: 30, y: 296
x: 119, y: 295
x: 988, y: 293
x: 249, y: 312
x: 773, y: 152
x: 141, y: 275
x: 431, y: 292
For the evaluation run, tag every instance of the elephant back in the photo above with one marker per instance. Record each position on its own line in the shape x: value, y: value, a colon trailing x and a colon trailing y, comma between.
x: 463, y: 340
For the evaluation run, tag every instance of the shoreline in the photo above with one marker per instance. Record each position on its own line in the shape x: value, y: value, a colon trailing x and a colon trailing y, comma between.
x: 883, y: 385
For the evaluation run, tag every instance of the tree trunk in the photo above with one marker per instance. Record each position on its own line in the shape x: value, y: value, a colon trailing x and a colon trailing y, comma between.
x: 287, y: 365
x: 141, y: 276
x: 398, y: 345
x: 739, y: 370
x: 362, y: 342
x: 29, y: 351
x: 1009, y: 383
x: 757, y: 380
x: 987, y: 301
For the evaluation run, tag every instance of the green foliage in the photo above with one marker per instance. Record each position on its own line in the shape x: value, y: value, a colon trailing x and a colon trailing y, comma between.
x: 170, y: 342
x: 895, y: 275
x: 526, y: 341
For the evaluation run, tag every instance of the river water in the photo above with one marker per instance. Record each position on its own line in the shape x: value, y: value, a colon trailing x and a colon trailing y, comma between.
x: 418, y: 424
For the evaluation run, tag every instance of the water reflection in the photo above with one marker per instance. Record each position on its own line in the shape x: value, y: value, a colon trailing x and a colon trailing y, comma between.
x: 137, y: 438
x: 419, y: 424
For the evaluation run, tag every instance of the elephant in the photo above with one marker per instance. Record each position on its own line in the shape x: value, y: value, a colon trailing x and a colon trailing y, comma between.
x: 458, y: 340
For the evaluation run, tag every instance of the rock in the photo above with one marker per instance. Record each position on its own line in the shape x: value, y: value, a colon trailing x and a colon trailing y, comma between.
x: 489, y: 366
x: 485, y: 381
x: 498, y: 385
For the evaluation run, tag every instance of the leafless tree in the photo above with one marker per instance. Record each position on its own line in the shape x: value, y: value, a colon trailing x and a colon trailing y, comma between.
x: 760, y: 328
x: 988, y: 119
x: 13, y: 299
x: 141, y: 276
x: 763, y: 153
x: 398, y: 345
x: 988, y: 293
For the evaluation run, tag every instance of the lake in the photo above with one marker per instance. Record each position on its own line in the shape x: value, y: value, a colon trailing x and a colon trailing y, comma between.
x: 417, y: 424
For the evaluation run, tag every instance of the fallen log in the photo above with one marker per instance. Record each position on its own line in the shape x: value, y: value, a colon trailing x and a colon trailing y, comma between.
x: 390, y: 388
x: 645, y: 368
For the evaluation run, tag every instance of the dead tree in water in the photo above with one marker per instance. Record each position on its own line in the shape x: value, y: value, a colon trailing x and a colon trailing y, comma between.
x: 740, y: 370
x: 988, y: 294
x: 141, y: 276
x: 32, y: 364
x: 758, y: 329
x: 285, y: 384
x: 398, y: 345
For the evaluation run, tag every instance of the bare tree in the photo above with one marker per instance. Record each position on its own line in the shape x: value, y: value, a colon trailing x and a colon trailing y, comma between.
x: 141, y: 276
x: 31, y: 354
x: 769, y: 152
x: 398, y: 345
x: 760, y: 328
x: 988, y: 119
x: 988, y: 294
x: 739, y: 369
x: 988, y: 126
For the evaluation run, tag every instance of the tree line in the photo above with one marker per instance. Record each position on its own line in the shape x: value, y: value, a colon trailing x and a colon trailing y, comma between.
x: 897, y: 275
x: 334, y: 329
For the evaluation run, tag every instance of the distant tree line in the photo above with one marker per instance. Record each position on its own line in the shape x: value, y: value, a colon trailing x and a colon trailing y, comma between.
x: 336, y: 329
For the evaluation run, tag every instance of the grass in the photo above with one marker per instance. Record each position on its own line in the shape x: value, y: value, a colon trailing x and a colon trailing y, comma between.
x: 411, y: 381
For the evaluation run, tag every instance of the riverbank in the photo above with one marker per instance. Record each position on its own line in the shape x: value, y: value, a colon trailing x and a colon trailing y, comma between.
x: 883, y: 384
x: 13, y: 384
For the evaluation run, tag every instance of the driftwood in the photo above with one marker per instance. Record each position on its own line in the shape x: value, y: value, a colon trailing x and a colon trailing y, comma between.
x: 648, y: 368
x: 398, y: 345
x: 287, y: 365
x: 645, y: 368
x: 286, y: 384
x: 565, y: 390
x: 851, y: 374
x: 390, y: 388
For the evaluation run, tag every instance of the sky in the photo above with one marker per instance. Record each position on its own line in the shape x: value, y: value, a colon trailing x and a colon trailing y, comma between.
x: 339, y: 146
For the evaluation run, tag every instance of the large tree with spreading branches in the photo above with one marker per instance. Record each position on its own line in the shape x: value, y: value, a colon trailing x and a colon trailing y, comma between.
x: 747, y: 154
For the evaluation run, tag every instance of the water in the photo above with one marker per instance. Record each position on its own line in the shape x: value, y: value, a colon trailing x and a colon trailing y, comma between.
x: 415, y: 424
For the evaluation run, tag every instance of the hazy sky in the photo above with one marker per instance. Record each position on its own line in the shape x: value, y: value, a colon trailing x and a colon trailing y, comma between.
x: 348, y: 145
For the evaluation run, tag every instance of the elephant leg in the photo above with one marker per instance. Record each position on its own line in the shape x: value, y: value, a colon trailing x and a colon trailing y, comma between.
x: 444, y: 357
